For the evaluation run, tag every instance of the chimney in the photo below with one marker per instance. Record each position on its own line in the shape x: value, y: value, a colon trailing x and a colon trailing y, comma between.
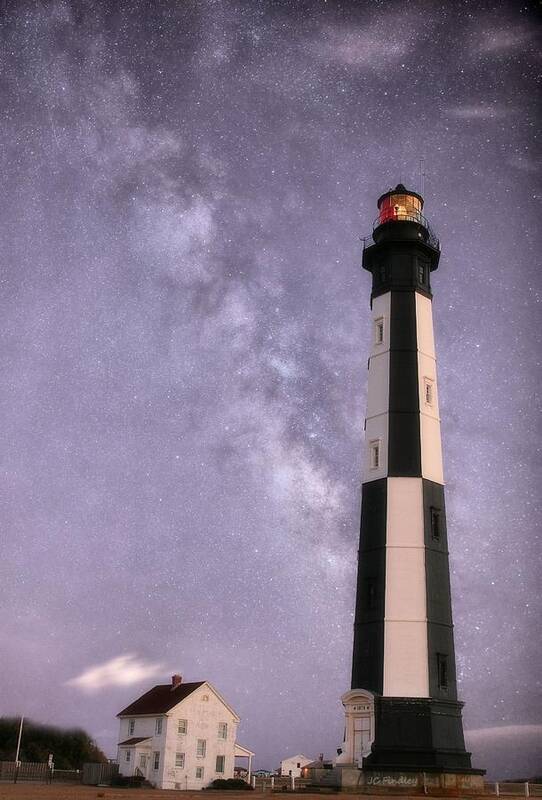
x: 176, y: 680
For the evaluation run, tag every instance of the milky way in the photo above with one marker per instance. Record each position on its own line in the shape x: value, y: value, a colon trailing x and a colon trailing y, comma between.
x: 185, y: 330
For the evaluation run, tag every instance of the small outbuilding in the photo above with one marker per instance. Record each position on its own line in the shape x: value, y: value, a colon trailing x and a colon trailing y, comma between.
x: 294, y: 764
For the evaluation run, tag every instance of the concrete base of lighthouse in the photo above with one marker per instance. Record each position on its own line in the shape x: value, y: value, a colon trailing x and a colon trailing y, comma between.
x: 349, y: 778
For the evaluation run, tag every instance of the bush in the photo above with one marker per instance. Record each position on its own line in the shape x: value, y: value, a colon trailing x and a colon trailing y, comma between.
x: 235, y: 784
x: 133, y: 781
x: 71, y: 747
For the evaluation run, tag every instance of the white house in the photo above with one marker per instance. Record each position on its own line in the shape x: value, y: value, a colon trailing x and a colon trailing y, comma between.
x: 180, y: 736
x: 294, y: 765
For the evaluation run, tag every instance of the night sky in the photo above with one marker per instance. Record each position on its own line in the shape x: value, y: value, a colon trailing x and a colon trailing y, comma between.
x: 184, y: 341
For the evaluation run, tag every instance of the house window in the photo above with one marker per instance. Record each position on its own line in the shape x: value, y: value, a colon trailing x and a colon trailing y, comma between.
x: 128, y: 755
x: 201, y: 748
x: 179, y: 760
x: 374, y: 454
x: 158, y: 727
x: 442, y: 671
x: 156, y: 760
x: 379, y: 330
x: 222, y: 730
x: 220, y: 763
x: 182, y: 726
x: 435, y: 524
x: 298, y: 765
x: 199, y: 772
x: 428, y: 391
x: 131, y: 727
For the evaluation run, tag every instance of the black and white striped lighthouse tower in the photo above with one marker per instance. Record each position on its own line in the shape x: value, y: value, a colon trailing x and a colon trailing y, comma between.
x: 403, y: 660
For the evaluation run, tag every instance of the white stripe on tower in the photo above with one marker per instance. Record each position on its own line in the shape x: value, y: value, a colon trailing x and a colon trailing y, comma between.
x: 406, y: 670
x: 378, y: 390
x: 431, y: 447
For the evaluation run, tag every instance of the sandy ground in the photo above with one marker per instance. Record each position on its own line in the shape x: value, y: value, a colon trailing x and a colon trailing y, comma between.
x: 29, y: 791
x: 35, y: 791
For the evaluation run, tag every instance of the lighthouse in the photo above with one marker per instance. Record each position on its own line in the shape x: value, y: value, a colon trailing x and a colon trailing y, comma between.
x: 402, y: 715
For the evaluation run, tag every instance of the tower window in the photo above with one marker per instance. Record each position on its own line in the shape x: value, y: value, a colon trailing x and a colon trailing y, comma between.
x: 442, y: 670
x: 383, y: 273
x: 379, y: 330
x: 371, y: 593
x: 374, y: 453
x: 435, y: 524
x: 421, y: 273
x: 428, y: 391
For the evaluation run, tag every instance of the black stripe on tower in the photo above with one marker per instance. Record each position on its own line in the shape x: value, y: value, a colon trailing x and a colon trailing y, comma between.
x: 440, y: 638
x: 404, y: 449
x: 368, y: 655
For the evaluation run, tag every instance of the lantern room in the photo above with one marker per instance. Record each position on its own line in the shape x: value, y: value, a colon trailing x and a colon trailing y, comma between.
x: 400, y: 205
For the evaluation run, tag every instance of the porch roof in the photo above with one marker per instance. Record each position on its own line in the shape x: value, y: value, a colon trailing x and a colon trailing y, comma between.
x: 242, y: 751
x: 134, y: 741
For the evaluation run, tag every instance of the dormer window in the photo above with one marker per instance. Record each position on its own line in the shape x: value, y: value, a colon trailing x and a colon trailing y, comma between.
x: 158, y: 726
x: 379, y: 330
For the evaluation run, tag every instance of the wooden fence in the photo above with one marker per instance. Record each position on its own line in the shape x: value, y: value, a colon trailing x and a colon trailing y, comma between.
x: 40, y: 772
x: 509, y: 789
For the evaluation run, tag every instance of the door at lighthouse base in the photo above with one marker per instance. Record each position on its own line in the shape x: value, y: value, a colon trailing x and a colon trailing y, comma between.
x: 359, y: 726
x: 362, y: 737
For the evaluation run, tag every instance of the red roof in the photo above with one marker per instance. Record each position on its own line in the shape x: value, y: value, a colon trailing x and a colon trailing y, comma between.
x: 160, y: 699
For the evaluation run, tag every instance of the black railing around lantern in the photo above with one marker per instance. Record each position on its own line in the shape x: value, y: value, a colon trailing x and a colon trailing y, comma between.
x: 412, y: 216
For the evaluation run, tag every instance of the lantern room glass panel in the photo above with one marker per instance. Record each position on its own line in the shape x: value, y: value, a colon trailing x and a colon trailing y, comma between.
x: 400, y: 207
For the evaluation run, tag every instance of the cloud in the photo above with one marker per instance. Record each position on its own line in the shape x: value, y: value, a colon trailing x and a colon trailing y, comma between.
x: 506, y: 751
x: 504, y: 733
x: 524, y: 162
x: 479, y: 111
x: 120, y: 671
x: 503, y: 39
x: 372, y: 47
